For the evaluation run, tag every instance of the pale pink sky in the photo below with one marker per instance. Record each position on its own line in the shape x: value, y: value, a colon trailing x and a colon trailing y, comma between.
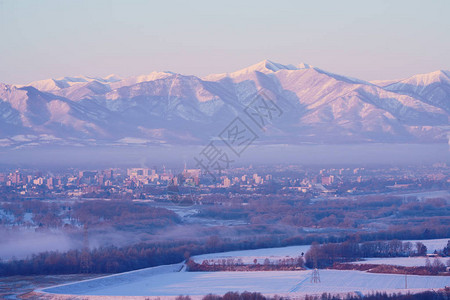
x: 364, y: 39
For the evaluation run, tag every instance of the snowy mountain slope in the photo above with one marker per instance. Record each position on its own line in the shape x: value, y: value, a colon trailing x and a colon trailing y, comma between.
x: 41, y: 113
x: 265, y: 66
x: 138, y: 79
x: 65, y: 82
x: 77, y: 92
x: 337, y: 105
x: 432, y: 88
x: 164, y: 107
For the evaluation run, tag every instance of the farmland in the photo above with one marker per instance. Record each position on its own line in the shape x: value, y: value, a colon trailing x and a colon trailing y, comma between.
x: 165, y: 282
x: 174, y: 280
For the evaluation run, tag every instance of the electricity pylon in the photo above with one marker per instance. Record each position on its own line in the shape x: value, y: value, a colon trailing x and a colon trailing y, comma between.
x: 315, y: 276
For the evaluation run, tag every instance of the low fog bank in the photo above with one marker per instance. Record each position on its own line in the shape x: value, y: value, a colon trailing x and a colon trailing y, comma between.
x: 267, y: 154
x: 20, y: 242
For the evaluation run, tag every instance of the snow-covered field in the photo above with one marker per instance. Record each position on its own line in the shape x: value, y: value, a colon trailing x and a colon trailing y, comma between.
x: 445, y: 194
x: 436, y: 244
x: 432, y: 245
x: 248, y: 256
x: 125, y: 280
x: 172, y: 280
x: 165, y: 282
x: 399, y: 261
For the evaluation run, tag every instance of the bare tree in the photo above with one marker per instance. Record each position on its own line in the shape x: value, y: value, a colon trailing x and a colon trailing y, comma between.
x: 421, y: 249
x: 428, y: 264
x: 438, y: 266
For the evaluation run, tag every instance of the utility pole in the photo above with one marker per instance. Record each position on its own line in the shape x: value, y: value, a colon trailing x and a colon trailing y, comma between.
x: 406, y: 280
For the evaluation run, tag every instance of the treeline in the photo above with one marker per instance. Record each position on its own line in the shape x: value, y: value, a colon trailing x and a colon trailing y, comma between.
x: 121, y: 214
x: 299, y: 211
x: 327, y: 254
x: 435, y: 268
x: 443, y: 294
x: 231, y: 264
x: 120, y: 259
x: 102, y: 260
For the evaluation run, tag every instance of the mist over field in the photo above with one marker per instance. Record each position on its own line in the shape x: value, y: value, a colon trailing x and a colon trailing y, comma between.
x: 176, y: 156
x: 20, y: 243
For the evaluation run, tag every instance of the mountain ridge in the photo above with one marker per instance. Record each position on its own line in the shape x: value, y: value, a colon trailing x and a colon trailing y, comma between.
x: 169, y: 108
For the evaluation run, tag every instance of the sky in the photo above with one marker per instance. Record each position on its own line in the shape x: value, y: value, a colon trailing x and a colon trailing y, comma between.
x: 365, y: 39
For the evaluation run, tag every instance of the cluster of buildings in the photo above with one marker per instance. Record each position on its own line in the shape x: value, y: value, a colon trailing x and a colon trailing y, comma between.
x: 137, y: 181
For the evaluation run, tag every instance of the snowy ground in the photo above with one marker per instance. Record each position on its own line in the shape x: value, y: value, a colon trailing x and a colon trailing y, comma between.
x: 12, y: 287
x: 294, y: 251
x: 248, y: 256
x: 436, y: 244
x: 172, y: 280
x: 165, y: 282
x: 445, y: 194
x: 399, y: 261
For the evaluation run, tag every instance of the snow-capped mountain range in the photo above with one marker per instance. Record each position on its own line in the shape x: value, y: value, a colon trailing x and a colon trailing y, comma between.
x: 169, y: 108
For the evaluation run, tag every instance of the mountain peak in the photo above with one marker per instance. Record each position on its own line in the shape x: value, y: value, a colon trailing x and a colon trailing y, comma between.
x: 265, y: 66
x: 304, y: 66
x: 155, y: 75
x: 426, y: 78
x: 113, y: 77
x: 439, y: 75
x: 52, y: 84
x: 268, y: 65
